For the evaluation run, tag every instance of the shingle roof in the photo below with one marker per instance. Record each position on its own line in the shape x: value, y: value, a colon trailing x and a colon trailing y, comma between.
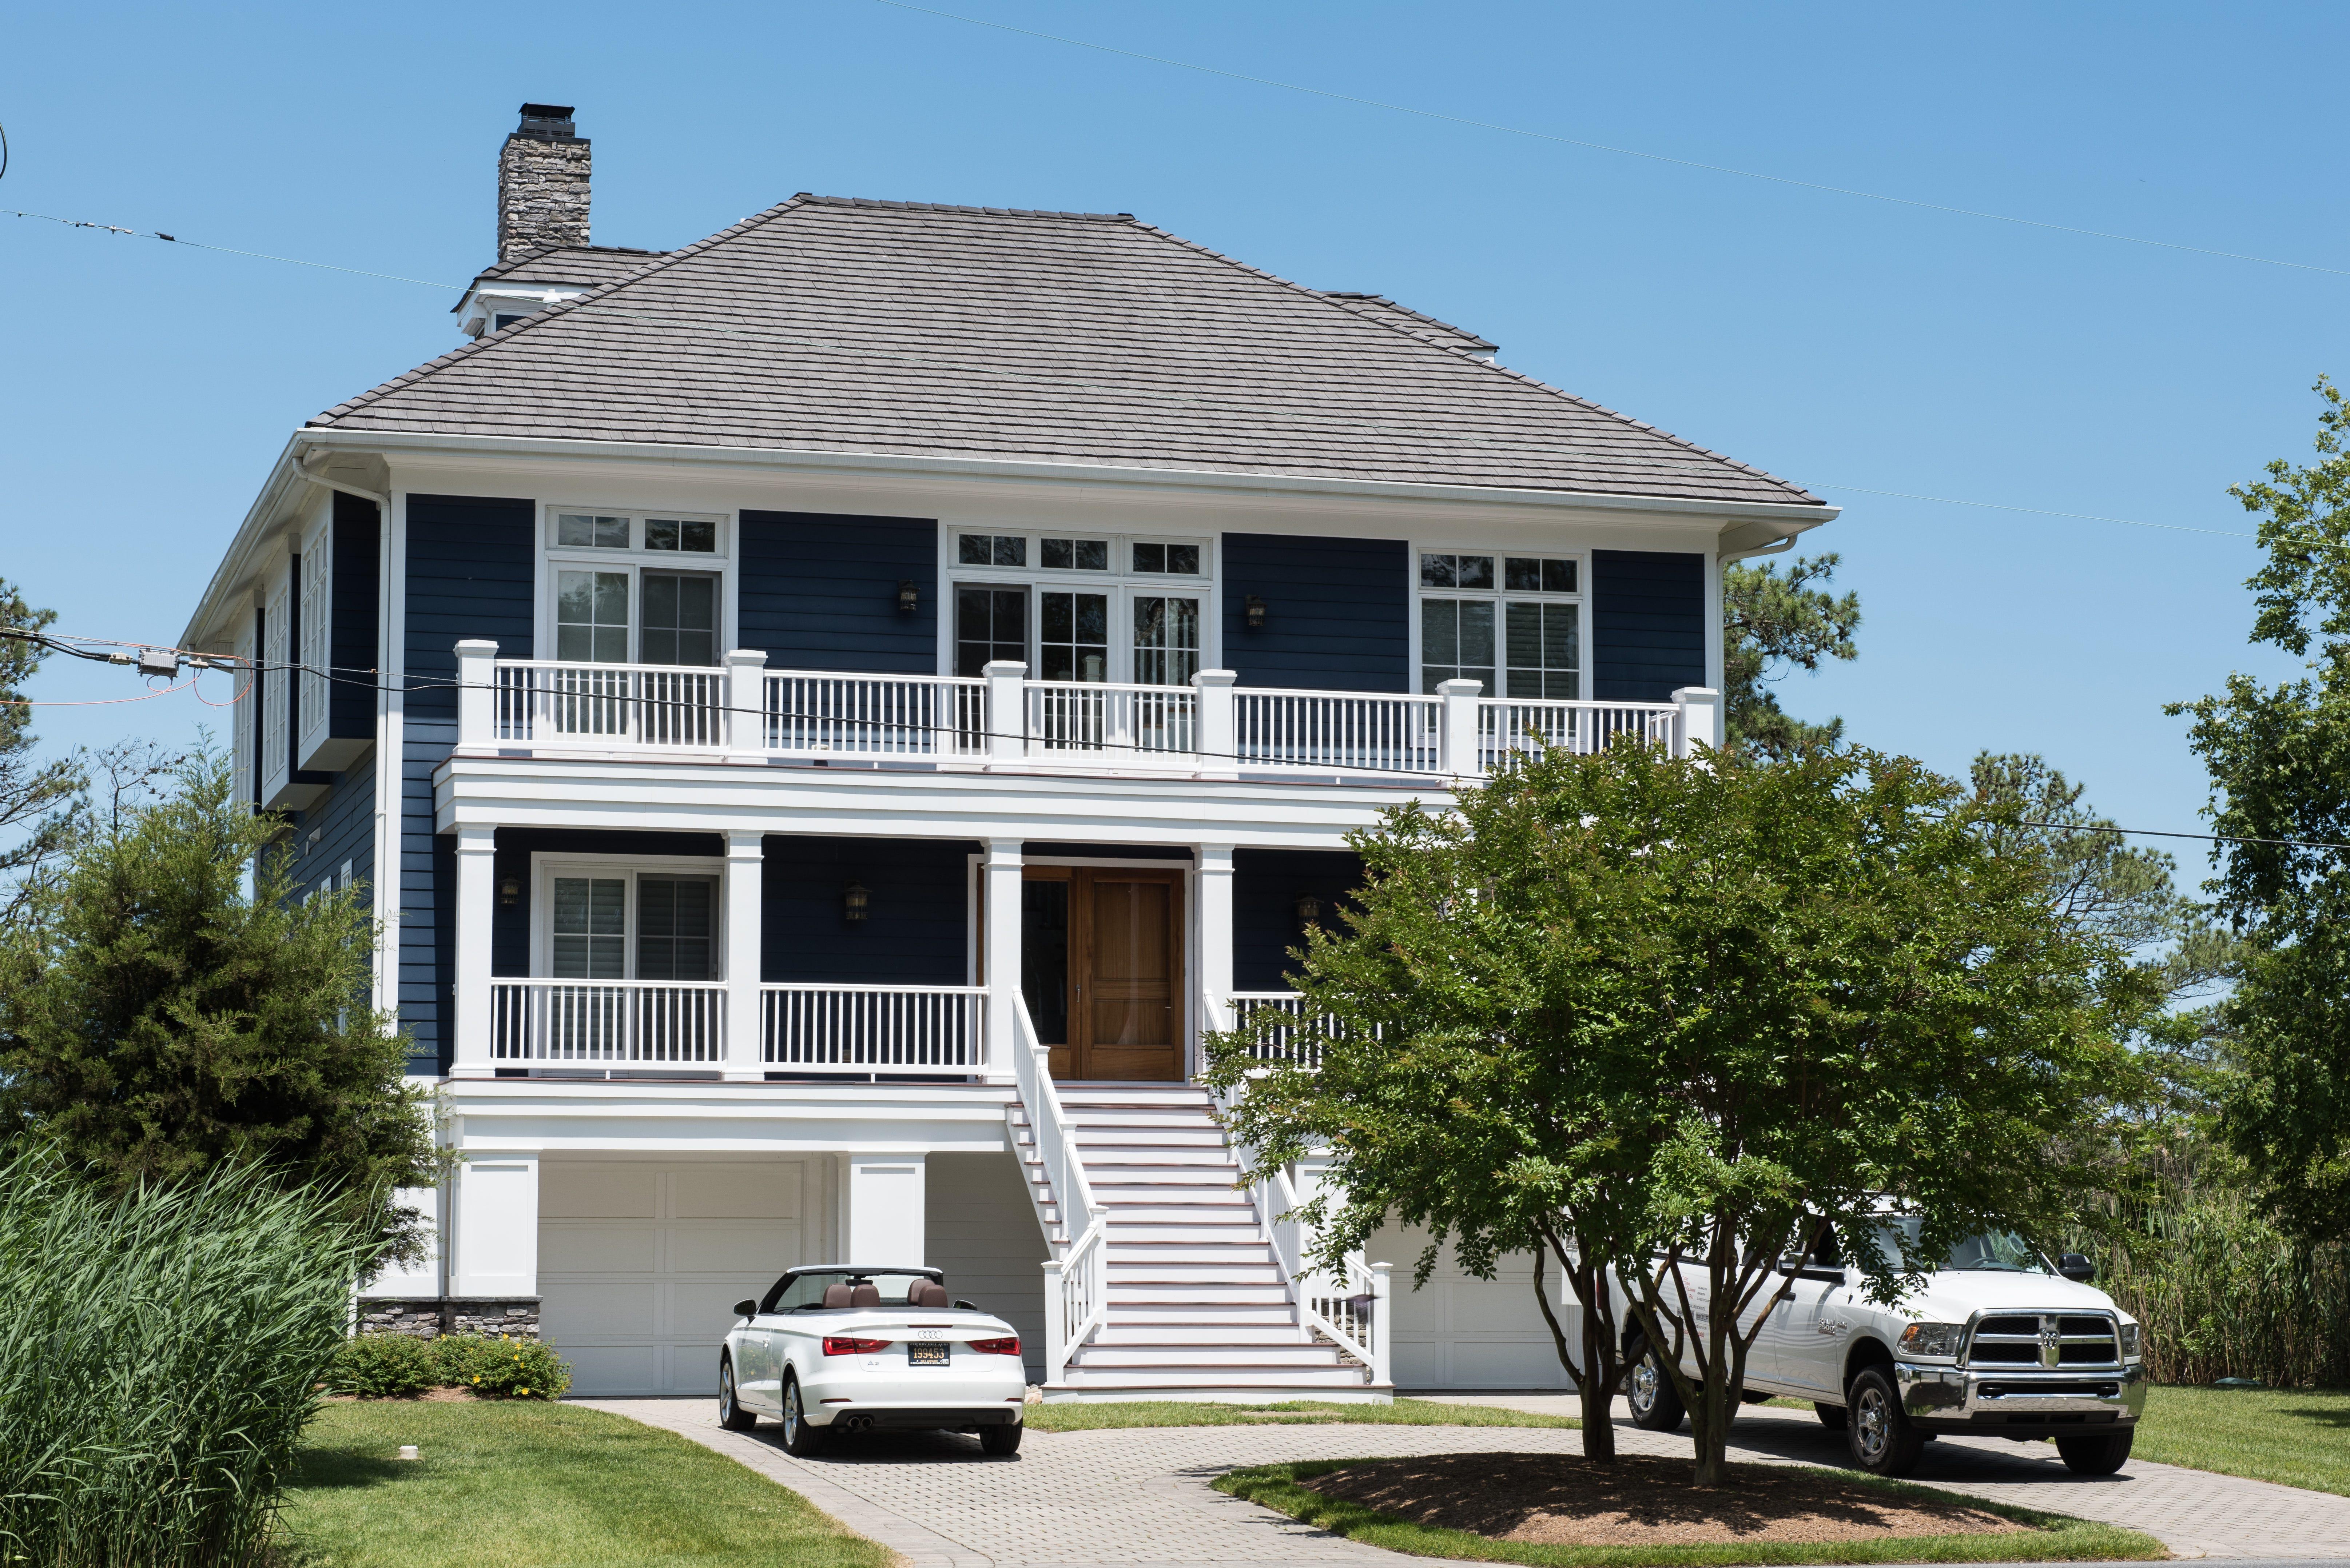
x: 1379, y: 306
x: 887, y: 328
x: 571, y: 264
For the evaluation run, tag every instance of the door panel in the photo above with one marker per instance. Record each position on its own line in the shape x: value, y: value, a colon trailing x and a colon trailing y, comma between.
x: 1103, y: 961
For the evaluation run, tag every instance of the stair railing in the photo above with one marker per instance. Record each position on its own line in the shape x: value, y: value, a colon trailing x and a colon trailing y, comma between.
x: 1077, y: 1282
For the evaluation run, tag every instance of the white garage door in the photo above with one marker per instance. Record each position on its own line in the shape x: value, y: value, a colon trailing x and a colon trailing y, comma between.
x: 638, y: 1265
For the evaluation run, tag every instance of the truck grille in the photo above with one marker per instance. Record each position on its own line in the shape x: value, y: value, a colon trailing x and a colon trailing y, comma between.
x: 2044, y: 1340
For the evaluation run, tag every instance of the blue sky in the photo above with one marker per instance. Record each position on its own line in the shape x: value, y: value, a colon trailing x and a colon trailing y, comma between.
x: 1838, y: 341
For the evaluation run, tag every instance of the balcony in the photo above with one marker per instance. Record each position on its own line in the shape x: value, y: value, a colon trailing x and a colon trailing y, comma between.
x: 679, y: 1028
x: 1211, y: 728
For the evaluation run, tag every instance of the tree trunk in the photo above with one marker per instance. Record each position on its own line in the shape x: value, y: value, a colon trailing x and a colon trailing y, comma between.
x: 1710, y: 1421
x: 1598, y: 1386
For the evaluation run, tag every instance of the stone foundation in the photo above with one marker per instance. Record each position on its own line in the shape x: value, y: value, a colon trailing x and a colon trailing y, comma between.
x: 428, y: 1317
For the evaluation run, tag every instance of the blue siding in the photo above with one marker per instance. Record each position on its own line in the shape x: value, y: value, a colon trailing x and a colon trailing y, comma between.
x: 510, y: 925
x: 1266, y: 884
x: 470, y: 567
x: 819, y: 591
x: 345, y: 820
x: 916, y: 930
x: 1647, y: 624
x: 351, y: 629
x: 1337, y: 612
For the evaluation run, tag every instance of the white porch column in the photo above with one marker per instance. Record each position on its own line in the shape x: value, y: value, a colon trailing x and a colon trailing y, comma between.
x: 476, y: 903
x: 1460, y: 757
x: 1215, y: 1004
x: 999, y: 943
x: 477, y: 697
x: 1699, y: 720
x: 1007, y: 710
x: 885, y: 1218
x: 494, y: 1221
x: 1216, y: 739
x: 745, y: 1031
x: 746, y: 703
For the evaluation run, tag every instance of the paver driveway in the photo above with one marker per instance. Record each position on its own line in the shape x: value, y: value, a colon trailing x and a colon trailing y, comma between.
x: 1138, y: 1497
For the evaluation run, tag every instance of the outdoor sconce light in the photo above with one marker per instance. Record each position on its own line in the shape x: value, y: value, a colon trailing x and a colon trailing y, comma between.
x: 1309, y: 911
x: 908, y: 597
x: 1253, y: 609
x: 853, y: 899
x: 510, y: 890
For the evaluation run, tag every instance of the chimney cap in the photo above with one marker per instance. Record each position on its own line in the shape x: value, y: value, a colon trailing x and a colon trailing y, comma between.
x: 546, y: 119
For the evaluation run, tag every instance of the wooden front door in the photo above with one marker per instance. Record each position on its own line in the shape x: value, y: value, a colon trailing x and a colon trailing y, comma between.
x: 1102, y: 970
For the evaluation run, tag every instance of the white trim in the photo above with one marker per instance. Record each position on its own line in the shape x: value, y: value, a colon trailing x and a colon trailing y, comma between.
x: 390, y: 759
x: 547, y: 865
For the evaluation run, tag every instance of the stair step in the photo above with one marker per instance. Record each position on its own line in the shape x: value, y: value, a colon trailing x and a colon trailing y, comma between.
x: 1303, y: 1357
x: 1072, y: 1096
x: 1163, y: 1154
x: 1178, y: 1257
x: 1271, y: 1379
x: 1173, y: 1293
x: 1123, y: 1272
x: 1086, y: 1118
x: 1204, y: 1336
x: 1224, y: 1312
x: 1092, y: 1140
x: 1240, y: 1230
x: 1155, y: 1206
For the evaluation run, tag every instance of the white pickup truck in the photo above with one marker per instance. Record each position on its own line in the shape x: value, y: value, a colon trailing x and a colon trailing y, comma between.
x: 1995, y: 1341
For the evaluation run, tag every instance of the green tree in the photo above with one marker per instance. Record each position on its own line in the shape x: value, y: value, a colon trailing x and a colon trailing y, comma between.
x: 157, y: 1020
x: 2279, y: 760
x: 1771, y: 624
x: 35, y: 797
x: 1624, y: 1006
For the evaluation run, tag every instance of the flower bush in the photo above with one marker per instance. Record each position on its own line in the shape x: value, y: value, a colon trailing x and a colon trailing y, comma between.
x: 495, y: 1366
x: 384, y: 1366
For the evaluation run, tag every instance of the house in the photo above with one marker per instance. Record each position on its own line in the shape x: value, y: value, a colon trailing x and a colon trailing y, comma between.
x: 828, y: 715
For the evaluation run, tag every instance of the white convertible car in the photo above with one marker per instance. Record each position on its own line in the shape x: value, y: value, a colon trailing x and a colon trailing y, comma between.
x: 832, y: 1348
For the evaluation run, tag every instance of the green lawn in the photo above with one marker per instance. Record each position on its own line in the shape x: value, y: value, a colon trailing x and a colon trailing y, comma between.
x: 2058, y: 1539
x: 528, y: 1485
x: 2295, y: 1438
x: 1299, y: 1413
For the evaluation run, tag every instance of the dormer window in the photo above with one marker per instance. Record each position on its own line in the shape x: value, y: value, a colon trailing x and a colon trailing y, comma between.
x: 502, y: 320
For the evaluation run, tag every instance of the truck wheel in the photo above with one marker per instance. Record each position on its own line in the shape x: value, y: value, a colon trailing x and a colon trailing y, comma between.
x: 731, y: 1414
x: 2099, y: 1456
x: 1832, y: 1416
x: 1883, y: 1441
x: 800, y: 1440
x: 1655, y: 1403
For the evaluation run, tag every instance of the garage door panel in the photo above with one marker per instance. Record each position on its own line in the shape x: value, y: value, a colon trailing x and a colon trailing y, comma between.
x: 585, y: 1247
x: 610, y: 1369
x: 707, y: 1306
x: 737, y: 1192
x: 578, y: 1189
x: 715, y: 1247
x: 693, y: 1367
x: 598, y: 1309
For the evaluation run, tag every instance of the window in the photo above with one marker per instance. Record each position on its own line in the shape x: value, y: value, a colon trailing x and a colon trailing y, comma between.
x: 591, y: 921
x: 618, y: 593
x: 676, y: 924
x: 310, y: 721
x: 500, y: 322
x: 1015, y: 599
x: 276, y: 746
x: 620, y: 924
x: 1517, y: 629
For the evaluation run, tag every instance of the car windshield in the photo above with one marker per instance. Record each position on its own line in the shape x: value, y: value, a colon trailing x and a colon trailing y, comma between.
x: 807, y: 1293
x: 1994, y: 1251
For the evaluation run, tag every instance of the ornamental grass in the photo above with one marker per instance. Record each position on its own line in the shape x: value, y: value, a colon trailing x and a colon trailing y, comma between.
x: 159, y: 1356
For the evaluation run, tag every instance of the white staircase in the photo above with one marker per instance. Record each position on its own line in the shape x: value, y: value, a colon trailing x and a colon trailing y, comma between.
x: 1198, y: 1303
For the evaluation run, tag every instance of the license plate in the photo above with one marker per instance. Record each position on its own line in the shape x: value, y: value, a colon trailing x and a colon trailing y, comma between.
x: 921, y: 1354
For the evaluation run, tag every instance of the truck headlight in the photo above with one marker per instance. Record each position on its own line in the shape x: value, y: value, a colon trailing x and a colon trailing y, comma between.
x: 1932, y: 1338
x: 2129, y: 1340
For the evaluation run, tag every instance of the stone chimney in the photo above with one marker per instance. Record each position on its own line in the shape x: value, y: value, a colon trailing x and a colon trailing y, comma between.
x: 542, y: 184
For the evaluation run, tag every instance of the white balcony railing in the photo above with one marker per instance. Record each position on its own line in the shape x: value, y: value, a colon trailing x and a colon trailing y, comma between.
x: 880, y: 1029
x: 1209, y: 728
x: 608, y: 1023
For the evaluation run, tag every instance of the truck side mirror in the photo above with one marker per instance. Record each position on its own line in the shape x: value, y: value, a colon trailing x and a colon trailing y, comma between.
x: 2076, y: 1268
x: 746, y: 1309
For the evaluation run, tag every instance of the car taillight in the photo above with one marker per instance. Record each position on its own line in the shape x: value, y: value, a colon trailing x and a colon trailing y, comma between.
x: 1009, y: 1346
x: 842, y: 1345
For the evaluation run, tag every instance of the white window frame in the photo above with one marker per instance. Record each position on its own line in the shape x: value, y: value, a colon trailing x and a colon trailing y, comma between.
x: 317, y: 592
x: 1500, y: 598
x: 545, y: 867
x: 1120, y: 582
x: 276, y: 681
x: 246, y: 715
x: 634, y: 560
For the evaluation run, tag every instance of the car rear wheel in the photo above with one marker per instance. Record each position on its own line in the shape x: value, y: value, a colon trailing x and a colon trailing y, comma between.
x: 1882, y: 1439
x: 800, y: 1440
x: 1001, y: 1440
x: 1655, y: 1403
x: 2099, y: 1456
x: 731, y: 1414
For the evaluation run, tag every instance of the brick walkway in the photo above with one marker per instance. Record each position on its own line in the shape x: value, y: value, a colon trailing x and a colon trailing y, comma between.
x: 1138, y: 1497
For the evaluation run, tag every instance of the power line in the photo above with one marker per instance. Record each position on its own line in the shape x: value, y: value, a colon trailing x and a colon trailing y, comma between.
x: 229, y: 250
x: 1604, y: 147
x: 81, y: 648
x: 2041, y: 512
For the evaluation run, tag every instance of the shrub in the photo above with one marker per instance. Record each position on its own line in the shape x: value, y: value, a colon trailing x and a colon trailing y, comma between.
x: 494, y: 1366
x: 384, y: 1366
x: 159, y: 1356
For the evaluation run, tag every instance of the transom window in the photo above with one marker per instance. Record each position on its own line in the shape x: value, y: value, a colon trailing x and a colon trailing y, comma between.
x: 608, y: 530
x: 634, y: 588
x: 1145, y: 624
x: 1512, y: 622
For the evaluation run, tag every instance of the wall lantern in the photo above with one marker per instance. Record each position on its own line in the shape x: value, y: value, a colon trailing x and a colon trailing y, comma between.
x: 1309, y: 911
x: 853, y: 899
x: 1253, y: 609
x: 908, y: 597
x: 510, y: 890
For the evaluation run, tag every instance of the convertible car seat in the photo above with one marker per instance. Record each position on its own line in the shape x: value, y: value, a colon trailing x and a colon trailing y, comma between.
x: 836, y: 1295
x: 927, y: 1293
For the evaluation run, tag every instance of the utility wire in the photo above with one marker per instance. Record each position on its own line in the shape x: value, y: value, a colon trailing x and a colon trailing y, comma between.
x: 229, y: 250
x: 80, y: 647
x: 2042, y: 512
x: 1604, y: 147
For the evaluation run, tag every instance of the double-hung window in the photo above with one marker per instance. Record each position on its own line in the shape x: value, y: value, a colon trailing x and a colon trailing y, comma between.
x: 1088, y: 608
x: 636, y: 587
x: 1514, y: 622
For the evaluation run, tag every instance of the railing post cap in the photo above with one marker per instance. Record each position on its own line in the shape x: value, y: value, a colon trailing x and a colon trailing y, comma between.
x: 478, y: 647
x: 1462, y: 687
x: 1215, y: 677
x: 746, y: 656
x: 1696, y: 694
x: 1005, y: 668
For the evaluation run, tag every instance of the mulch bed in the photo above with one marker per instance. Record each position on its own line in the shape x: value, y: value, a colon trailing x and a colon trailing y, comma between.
x: 1562, y: 1499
